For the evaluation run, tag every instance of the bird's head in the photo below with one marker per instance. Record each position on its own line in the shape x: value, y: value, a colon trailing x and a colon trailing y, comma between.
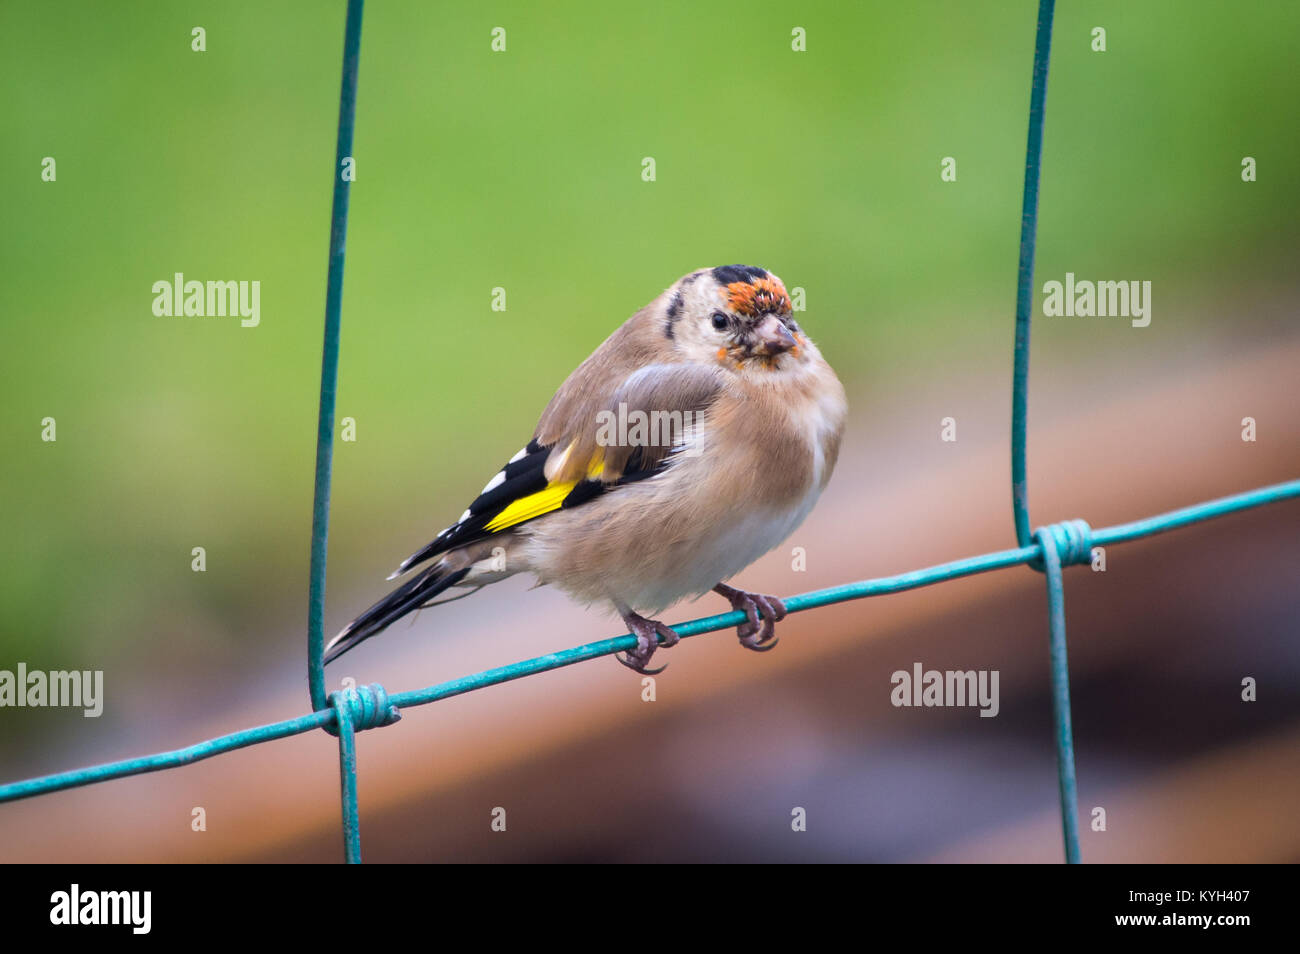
x: 738, y: 316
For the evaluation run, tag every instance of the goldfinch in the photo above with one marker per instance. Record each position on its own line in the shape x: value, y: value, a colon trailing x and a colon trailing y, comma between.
x: 690, y: 443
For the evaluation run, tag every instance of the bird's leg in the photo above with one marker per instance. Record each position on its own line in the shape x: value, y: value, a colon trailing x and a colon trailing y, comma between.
x: 758, y: 635
x: 647, y: 633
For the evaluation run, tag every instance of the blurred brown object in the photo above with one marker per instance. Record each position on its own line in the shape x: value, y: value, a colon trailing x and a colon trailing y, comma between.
x: 733, y: 743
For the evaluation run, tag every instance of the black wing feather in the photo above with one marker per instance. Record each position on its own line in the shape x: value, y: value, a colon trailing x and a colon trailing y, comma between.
x: 521, y: 477
x: 410, y: 596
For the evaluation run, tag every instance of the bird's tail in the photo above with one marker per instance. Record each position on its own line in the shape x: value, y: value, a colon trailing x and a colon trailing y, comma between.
x: 408, y: 597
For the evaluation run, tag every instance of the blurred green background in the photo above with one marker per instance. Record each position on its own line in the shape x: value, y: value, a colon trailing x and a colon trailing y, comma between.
x: 522, y: 170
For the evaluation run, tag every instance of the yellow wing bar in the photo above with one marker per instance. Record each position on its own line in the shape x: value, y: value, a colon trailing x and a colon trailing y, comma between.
x: 551, y: 497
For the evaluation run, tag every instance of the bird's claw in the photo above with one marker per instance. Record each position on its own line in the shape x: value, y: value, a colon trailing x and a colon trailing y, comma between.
x: 755, y: 633
x: 637, y: 664
x: 648, y: 633
x: 758, y: 645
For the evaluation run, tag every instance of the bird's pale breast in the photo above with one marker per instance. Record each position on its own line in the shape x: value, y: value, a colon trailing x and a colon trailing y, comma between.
x: 761, y: 461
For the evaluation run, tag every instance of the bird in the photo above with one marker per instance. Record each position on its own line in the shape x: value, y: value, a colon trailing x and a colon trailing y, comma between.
x: 694, y: 440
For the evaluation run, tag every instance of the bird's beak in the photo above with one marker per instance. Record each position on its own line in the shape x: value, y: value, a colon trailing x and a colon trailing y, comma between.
x: 773, y: 336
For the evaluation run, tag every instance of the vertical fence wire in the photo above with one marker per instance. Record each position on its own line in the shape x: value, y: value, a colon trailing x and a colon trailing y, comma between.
x: 1025, y: 276
x: 1050, y: 562
x: 356, y: 709
x: 348, y: 789
x: 1060, y: 664
x: 329, y: 371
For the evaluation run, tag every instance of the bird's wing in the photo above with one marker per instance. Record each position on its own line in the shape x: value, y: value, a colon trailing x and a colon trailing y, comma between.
x: 585, y: 447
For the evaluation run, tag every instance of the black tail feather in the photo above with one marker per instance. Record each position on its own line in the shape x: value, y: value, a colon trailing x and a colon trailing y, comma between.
x: 407, y: 598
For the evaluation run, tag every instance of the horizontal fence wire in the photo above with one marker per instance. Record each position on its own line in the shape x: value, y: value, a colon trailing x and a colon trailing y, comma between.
x: 862, y: 589
x: 1049, y: 549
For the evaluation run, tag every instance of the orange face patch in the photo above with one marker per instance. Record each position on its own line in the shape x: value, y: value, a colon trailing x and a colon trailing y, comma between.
x: 757, y: 298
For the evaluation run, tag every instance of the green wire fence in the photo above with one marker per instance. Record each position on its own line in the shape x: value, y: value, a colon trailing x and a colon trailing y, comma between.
x: 344, y: 713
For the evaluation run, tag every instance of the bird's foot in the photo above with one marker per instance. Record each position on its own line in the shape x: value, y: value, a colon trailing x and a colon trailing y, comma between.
x: 756, y: 634
x: 648, y: 633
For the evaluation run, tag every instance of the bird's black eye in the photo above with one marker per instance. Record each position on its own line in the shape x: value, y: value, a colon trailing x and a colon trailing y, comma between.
x: 719, y: 320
